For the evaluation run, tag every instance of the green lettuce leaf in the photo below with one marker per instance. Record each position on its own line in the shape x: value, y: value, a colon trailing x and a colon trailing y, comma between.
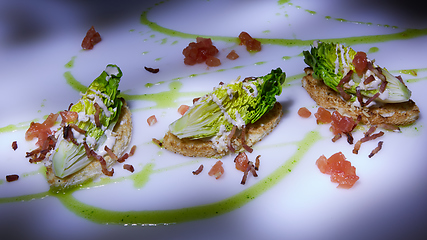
x: 332, y: 61
x: 237, y: 103
x: 69, y: 158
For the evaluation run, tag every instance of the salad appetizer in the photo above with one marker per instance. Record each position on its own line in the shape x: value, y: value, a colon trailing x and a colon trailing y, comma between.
x: 232, y: 118
x: 90, y: 137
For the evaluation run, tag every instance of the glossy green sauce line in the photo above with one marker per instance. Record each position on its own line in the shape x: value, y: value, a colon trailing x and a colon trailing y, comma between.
x: 76, y: 85
x: 406, y: 34
x: 103, y: 216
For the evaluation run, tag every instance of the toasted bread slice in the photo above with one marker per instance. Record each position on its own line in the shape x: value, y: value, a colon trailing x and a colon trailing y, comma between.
x: 122, y: 131
x: 389, y: 113
x: 205, y: 148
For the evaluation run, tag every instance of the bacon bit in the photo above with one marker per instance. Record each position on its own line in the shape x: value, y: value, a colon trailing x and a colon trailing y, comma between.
x: 69, y: 107
x: 152, y: 70
x: 157, y: 142
x: 243, y: 139
x: 110, y: 153
x: 232, y: 55
x: 217, y: 170
x: 12, y: 177
x: 39, y: 154
x: 372, y: 98
x: 221, y: 83
x: 230, y: 136
x: 195, y: 100
x: 336, y: 137
x: 128, y: 167
x: 75, y: 127
x: 357, y: 147
x: 183, y: 109
x: 370, y: 131
x: 97, y: 115
x: 199, y: 170
x: 245, y: 176
x: 343, y: 94
x: 304, y: 112
x: 346, y: 78
x: 151, y: 120
x: 87, y: 149
x: 401, y: 80
x: 132, y: 151
x: 241, y: 161
x: 252, y: 169
x: 369, y: 80
x: 68, y: 135
x: 377, y: 149
x: 359, y: 97
x: 249, y: 168
x: 14, y: 145
x: 367, y: 137
x: 257, y: 162
x: 123, y: 158
x: 92, y: 37
x: 350, y: 138
x: 103, y: 163
x: 383, y: 86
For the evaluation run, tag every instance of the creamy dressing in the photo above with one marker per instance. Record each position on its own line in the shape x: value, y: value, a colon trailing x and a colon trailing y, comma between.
x: 111, y: 71
x: 111, y: 140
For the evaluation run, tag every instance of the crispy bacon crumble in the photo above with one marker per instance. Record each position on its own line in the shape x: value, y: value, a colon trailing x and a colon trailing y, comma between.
x: 14, y: 145
x: 12, y: 177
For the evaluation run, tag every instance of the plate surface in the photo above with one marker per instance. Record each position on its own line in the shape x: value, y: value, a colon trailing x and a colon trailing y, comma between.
x: 43, y: 69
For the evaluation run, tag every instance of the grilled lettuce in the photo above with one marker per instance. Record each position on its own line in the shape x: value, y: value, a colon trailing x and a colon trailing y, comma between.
x: 68, y: 157
x: 235, y: 104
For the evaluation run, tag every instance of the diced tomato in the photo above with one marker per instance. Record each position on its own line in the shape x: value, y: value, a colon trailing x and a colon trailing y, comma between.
x: 217, y: 170
x: 212, y: 61
x: 360, y: 63
x: 92, y: 37
x: 241, y: 161
x: 323, y: 116
x: 322, y: 164
x: 250, y: 43
x: 183, y: 109
x: 232, y: 55
x: 69, y: 116
x: 41, y: 130
x: 341, y: 124
x: 151, y: 120
x: 199, y: 51
x: 339, y: 168
x: 304, y: 112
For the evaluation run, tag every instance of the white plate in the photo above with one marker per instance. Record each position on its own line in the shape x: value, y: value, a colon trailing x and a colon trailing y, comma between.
x: 162, y: 198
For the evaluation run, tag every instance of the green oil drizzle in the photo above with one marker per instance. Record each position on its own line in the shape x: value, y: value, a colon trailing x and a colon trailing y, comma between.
x: 310, y: 11
x: 406, y: 34
x: 373, y: 50
x: 281, y: 2
x: 76, y: 85
x: 103, y: 216
x: 164, y: 99
x: 70, y: 64
x: 143, y: 176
